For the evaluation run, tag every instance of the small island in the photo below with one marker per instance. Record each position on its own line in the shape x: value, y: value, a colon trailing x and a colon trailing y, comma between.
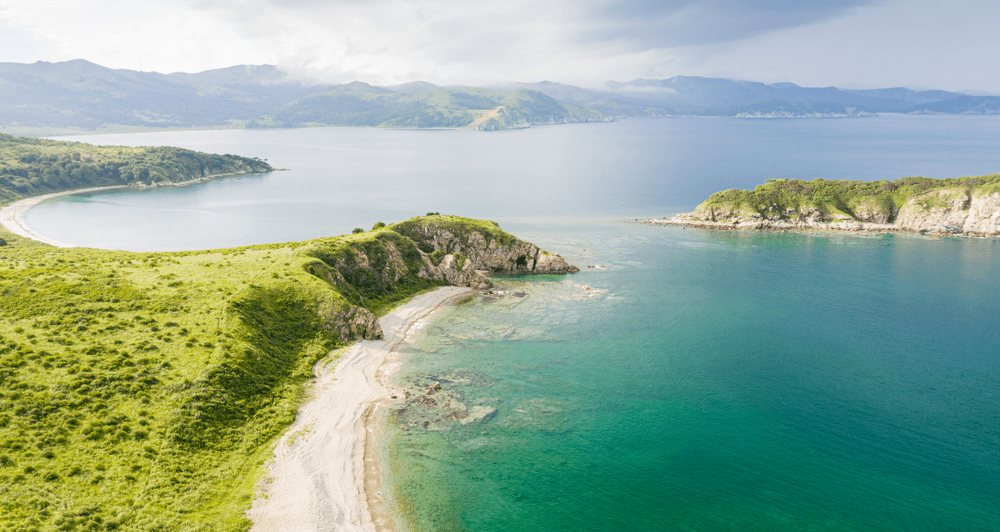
x: 966, y: 206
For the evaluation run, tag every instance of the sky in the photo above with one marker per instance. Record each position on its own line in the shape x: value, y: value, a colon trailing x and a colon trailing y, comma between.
x: 814, y: 43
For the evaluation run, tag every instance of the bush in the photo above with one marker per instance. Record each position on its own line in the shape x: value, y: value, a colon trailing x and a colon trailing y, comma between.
x: 358, y: 230
x: 378, y: 225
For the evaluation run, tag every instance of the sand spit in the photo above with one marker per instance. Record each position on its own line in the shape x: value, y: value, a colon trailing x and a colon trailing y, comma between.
x: 325, y: 475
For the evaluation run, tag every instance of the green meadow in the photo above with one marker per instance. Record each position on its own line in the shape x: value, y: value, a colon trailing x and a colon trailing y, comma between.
x: 144, y: 391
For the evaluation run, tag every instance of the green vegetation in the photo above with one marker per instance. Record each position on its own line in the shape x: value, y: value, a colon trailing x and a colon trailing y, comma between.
x: 416, y: 229
x: 32, y: 166
x: 359, y: 104
x: 844, y: 198
x: 144, y: 391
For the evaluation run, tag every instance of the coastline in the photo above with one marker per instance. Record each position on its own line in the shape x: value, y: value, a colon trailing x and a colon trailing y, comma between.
x: 10, y: 215
x: 784, y: 226
x: 774, y: 225
x: 325, y: 473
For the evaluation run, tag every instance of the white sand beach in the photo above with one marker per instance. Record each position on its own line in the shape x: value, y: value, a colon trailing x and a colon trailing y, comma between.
x: 325, y: 474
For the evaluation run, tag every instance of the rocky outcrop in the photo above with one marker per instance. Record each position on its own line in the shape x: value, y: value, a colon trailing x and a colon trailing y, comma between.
x: 485, y: 248
x: 954, y: 211
x: 352, y: 323
x: 438, y: 404
x: 374, y: 268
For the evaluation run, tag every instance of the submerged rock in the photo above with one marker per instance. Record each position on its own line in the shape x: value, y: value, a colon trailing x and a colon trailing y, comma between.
x: 479, y: 414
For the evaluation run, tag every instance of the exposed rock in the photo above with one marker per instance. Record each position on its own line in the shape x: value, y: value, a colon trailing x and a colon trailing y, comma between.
x: 953, y: 211
x: 486, y: 252
x: 352, y: 323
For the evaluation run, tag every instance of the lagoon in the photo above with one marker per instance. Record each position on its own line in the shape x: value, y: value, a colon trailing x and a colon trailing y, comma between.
x: 705, y: 380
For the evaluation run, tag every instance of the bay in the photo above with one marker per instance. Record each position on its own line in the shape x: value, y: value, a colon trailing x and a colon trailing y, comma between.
x: 704, y: 380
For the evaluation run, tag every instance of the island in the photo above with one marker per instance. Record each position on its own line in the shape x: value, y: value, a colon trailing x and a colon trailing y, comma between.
x: 966, y: 206
x: 147, y: 391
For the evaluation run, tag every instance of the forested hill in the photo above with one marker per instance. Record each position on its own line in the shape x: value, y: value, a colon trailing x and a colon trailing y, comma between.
x: 360, y: 104
x: 33, y: 166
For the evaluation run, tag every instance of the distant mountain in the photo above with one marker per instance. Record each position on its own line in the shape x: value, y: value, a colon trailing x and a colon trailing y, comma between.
x: 691, y: 92
x: 360, y: 104
x: 78, y: 96
x: 965, y: 105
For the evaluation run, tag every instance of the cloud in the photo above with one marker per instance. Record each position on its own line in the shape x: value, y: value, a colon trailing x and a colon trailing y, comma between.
x: 583, y: 42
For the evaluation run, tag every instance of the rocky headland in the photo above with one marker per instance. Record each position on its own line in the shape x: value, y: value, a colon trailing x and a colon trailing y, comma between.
x: 962, y: 207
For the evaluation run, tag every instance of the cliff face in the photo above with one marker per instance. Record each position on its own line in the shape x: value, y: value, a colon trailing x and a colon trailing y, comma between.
x: 373, y: 270
x: 957, y: 211
x: 481, y: 246
x: 952, y: 212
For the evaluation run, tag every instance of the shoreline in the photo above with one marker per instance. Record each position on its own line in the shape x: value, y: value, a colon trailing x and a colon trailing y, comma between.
x: 325, y: 474
x: 781, y: 226
x: 10, y: 215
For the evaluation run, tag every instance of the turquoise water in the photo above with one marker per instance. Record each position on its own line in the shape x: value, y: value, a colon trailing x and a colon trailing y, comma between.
x: 724, y: 381
x: 706, y: 380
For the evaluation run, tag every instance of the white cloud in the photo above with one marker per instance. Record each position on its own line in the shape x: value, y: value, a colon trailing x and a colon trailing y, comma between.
x: 582, y: 42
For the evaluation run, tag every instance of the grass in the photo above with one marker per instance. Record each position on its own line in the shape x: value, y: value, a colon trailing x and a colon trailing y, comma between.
x: 844, y: 198
x: 144, y: 391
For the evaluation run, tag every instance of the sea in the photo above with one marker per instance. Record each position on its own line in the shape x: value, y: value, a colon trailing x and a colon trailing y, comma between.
x: 685, y: 379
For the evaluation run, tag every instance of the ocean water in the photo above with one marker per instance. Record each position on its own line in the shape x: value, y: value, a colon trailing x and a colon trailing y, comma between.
x: 695, y: 380
x: 718, y: 381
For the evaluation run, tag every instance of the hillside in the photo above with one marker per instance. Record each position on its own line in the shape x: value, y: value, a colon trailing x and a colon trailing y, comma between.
x: 32, y: 166
x: 967, y: 206
x: 144, y: 391
x: 965, y: 105
x: 360, y: 104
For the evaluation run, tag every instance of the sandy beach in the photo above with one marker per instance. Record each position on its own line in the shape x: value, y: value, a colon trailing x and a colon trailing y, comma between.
x: 325, y: 475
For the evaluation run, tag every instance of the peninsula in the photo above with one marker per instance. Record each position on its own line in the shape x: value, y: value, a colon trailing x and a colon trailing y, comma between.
x: 147, y: 391
x: 967, y: 206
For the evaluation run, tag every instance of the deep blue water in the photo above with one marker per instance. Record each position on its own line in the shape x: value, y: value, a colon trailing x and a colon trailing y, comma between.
x: 705, y: 381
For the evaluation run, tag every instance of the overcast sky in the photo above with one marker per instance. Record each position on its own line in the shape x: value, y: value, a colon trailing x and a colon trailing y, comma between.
x: 845, y: 43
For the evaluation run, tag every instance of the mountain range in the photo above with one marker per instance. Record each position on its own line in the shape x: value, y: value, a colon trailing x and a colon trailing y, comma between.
x: 78, y: 96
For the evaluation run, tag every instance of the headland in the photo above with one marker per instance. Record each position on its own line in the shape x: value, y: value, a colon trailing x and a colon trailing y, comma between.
x: 968, y: 206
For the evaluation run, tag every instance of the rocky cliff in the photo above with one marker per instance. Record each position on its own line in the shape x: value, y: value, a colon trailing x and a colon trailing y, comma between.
x: 374, y: 269
x: 966, y: 211
x: 480, y: 245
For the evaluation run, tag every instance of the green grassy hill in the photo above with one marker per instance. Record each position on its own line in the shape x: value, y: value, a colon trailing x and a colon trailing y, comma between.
x: 144, y: 391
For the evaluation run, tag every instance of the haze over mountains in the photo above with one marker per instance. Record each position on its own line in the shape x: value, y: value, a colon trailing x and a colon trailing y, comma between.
x: 76, y: 96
